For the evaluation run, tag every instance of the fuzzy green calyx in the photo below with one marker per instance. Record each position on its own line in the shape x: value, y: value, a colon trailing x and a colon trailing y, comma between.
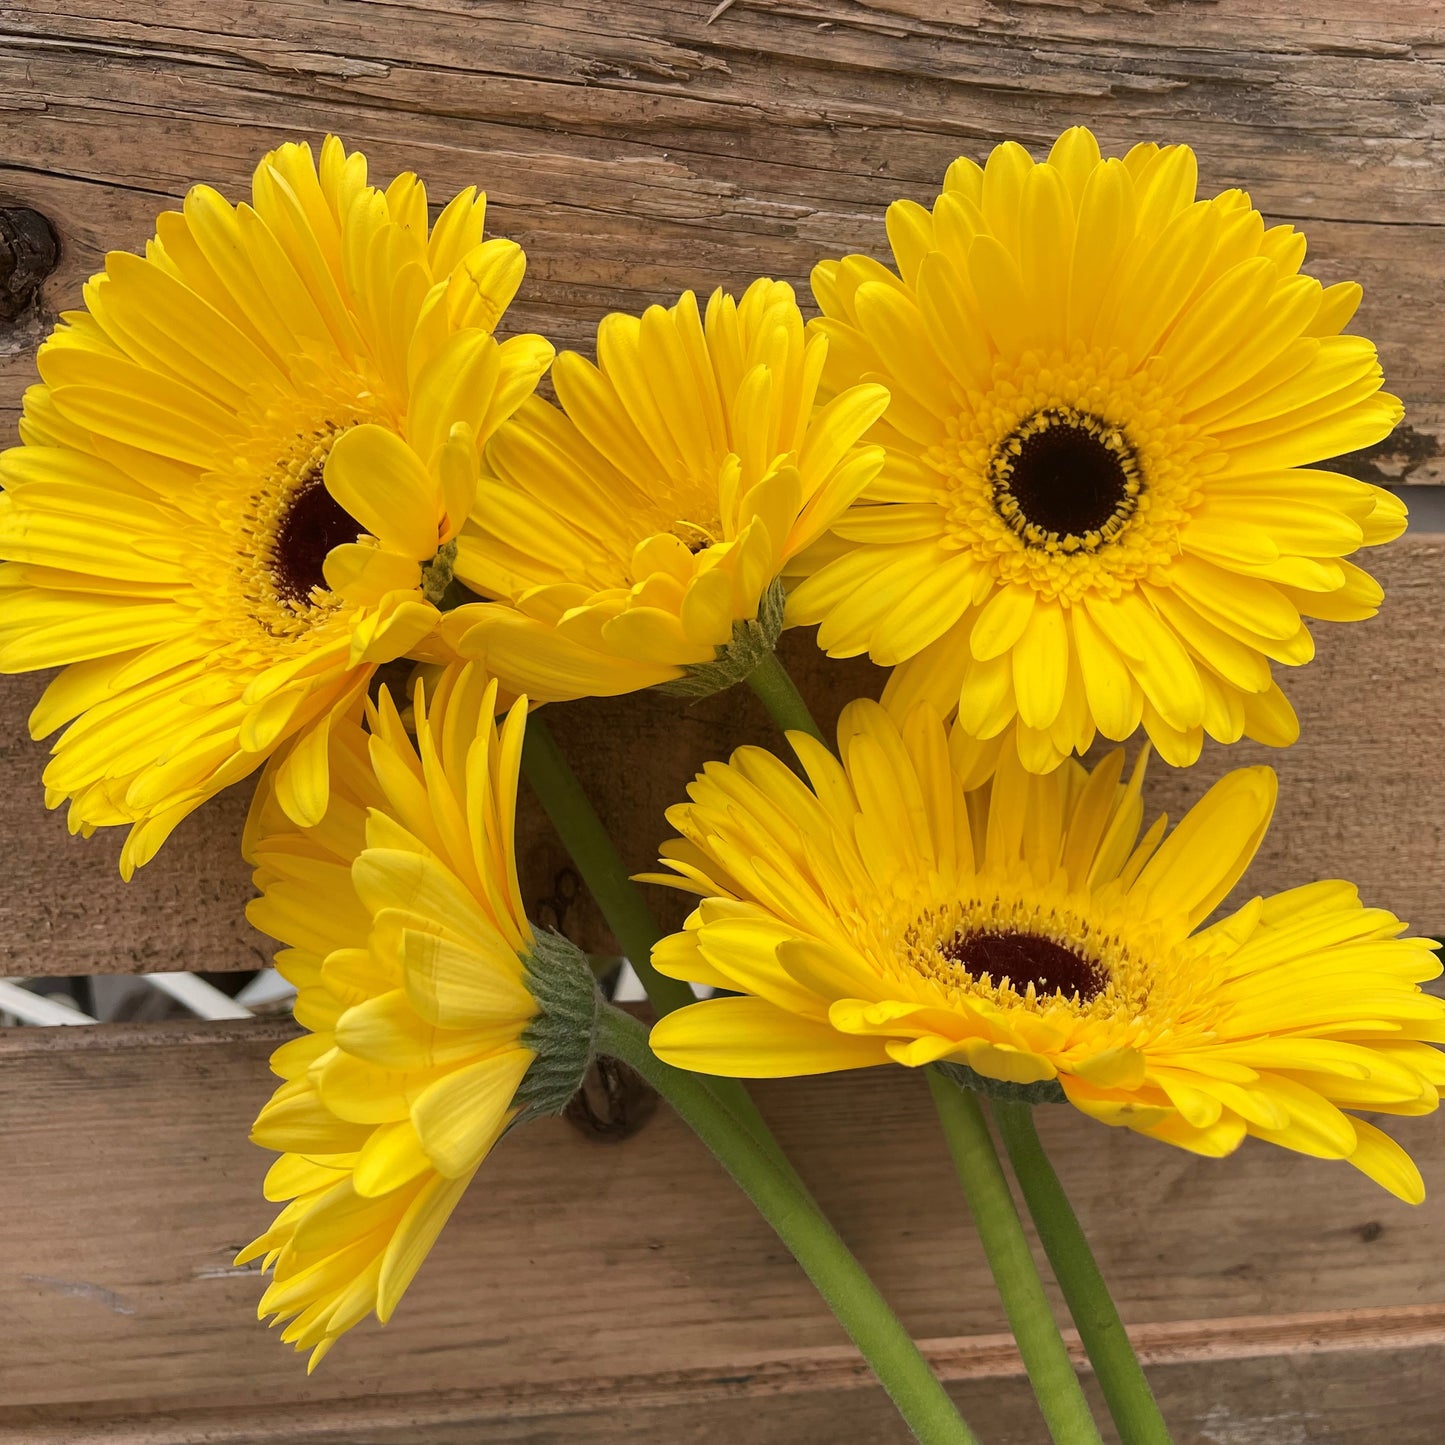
x: 1045, y: 1091
x: 752, y: 641
x: 563, y: 1035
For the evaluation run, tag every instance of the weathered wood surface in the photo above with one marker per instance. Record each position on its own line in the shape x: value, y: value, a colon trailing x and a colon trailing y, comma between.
x: 597, y: 1292
x: 634, y: 149
x: 589, y: 1293
x: 1332, y: 1398
x: 1362, y: 797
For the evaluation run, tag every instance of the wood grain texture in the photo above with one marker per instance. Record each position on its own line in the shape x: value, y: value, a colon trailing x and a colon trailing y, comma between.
x: 587, y: 1293
x: 1362, y: 797
x: 598, y: 1292
x: 635, y: 149
x: 1318, y: 1399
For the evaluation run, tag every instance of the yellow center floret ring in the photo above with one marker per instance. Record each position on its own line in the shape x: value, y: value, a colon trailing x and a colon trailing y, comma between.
x: 1008, y: 950
x: 1065, y: 480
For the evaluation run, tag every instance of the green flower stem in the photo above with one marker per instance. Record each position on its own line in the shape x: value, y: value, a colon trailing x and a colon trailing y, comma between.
x: 627, y: 914
x: 1131, y: 1402
x: 581, y: 830
x: 783, y: 1201
x: 1060, y: 1396
x: 779, y: 694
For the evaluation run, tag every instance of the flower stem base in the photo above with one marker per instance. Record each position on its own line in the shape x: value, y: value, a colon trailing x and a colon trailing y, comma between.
x: 1051, y: 1373
x: 783, y: 1201
x: 1131, y: 1402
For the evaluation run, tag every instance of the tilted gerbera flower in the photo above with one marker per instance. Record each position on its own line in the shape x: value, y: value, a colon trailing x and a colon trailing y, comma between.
x: 240, y: 482
x: 636, y: 534
x: 1097, y: 508
x: 1025, y: 933
x: 435, y: 1014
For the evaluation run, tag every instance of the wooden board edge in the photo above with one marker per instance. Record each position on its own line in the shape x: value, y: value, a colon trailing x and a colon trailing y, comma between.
x: 821, y: 1371
x: 19, y: 1043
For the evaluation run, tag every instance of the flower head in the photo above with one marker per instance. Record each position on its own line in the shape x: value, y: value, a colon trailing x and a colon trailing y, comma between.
x: 638, y: 531
x: 1026, y: 933
x: 1097, y: 509
x: 435, y: 1015
x: 241, y: 481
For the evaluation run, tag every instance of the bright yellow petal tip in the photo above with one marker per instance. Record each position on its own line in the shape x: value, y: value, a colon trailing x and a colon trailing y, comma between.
x: 405, y: 937
x: 1028, y: 930
x: 246, y: 455
x: 631, y: 529
x: 1098, y: 509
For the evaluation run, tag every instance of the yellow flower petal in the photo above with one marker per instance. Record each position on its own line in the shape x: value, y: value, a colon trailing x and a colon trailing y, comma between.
x: 414, y: 1237
x: 1106, y: 397
x: 166, y: 524
x: 462, y: 1115
x: 1207, y: 853
x: 751, y: 1039
x: 1380, y: 1158
x: 895, y: 910
x: 377, y: 478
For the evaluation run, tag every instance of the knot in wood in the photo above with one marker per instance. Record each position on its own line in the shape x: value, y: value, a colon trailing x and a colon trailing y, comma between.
x: 29, y: 252
x: 614, y: 1102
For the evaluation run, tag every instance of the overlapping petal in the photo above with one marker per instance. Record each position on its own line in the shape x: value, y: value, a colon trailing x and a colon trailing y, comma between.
x: 236, y: 478
x: 404, y: 934
x: 626, y: 532
x: 1107, y: 397
x: 877, y: 909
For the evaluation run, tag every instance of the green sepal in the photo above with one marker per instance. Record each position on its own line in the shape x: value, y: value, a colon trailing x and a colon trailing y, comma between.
x: 563, y: 1035
x: 752, y: 642
x: 1045, y: 1091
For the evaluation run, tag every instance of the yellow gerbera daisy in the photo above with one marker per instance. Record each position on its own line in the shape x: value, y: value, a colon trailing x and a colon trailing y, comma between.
x: 1026, y: 934
x: 241, y: 479
x: 426, y: 994
x: 1096, y: 509
x: 637, y: 532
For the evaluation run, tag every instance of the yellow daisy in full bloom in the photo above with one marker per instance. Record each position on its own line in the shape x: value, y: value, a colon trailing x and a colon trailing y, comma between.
x: 1098, y: 508
x: 636, y: 534
x: 425, y: 994
x: 241, y: 479
x: 1025, y: 934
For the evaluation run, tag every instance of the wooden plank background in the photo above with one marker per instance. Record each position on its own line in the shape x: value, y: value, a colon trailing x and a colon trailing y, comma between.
x: 593, y: 1293
x: 1362, y: 796
x: 635, y: 149
x: 584, y: 1290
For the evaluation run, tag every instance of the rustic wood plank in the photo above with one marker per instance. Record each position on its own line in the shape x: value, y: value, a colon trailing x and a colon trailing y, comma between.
x: 1362, y: 797
x: 691, y: 154
x: 1322, y: 1399
x: 65, y: 909
x: 587, y: 1290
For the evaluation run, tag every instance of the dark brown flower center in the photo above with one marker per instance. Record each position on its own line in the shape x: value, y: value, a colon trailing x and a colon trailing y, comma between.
x: 1065, y: 479
x: 1024, y: 959
x: 310, y: 527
